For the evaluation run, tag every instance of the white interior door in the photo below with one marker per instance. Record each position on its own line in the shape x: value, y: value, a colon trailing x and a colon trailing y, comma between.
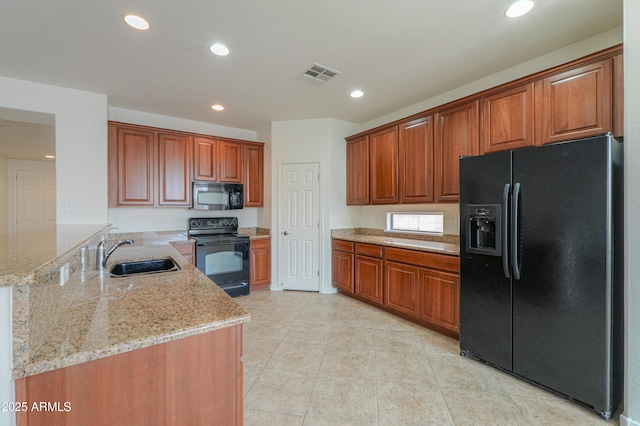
x: 35, y: 199
x: 299, y: 239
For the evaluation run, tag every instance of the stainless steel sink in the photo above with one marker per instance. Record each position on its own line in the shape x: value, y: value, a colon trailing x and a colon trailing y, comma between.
x: 150, y: 266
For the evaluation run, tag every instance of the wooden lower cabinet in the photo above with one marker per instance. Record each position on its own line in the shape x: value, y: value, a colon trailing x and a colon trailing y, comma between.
x: 440, y: 298
x: 260, y: 264
x: 342, y: 271
x: 197, y: 380
x: 368, y: 278
x: 401, y: 287
x: 421, y: 286
x: 186, y: 249
x: 342, y: 265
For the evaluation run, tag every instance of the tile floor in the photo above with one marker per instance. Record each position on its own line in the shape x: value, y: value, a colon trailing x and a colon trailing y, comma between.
x: 314, y: 359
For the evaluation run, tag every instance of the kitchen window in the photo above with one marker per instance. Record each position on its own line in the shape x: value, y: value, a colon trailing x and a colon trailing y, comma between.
x: 428, y: 223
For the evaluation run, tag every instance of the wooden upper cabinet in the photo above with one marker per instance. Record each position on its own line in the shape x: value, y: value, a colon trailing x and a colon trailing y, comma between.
x: 508, y: 120
x: 358, y: 160
x: 230, y: 161
x: 253, y: 175
x: 384, y: 166
x: 576, y: 103
x: 132, y: 154
x: 174, y: 163
x: 456, y: 135
x: 205, y: 159
x: 618, y: 96
x: 415, y: 156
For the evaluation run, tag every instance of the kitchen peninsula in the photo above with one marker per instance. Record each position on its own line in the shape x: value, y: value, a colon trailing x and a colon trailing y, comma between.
x: 148, y: 349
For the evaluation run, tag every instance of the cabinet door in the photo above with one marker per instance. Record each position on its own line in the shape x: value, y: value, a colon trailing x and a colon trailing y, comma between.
x: 253, y: 175
x: 368, y: 278
x: 260, y: 262
x: 508, y: 120
x: 401, y: 287
x: 342, y: 270
x: 230, y: 161
x: 174, y: 167
x: 416, y: 161
x: 133, y: 155
x: 618, y: 96
x: 384, y: 167
x: 205, y: 159
x: 576, y: 103
x: 456, y: 135
x: 439, y: 298
x: 358, y: 171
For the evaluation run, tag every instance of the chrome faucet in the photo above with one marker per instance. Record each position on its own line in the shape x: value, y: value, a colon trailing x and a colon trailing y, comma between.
x: 102, y: 257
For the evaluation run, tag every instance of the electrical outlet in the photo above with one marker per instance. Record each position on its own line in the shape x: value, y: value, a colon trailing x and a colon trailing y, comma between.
x: 64, y: 273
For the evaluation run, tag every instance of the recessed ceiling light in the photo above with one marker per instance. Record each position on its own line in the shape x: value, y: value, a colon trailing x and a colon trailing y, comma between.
x: 357, y: 94
x: 219, y: 49
x: 137, y: 22
x: 50, y: 156
x: 519, y: 8
x: 217, y: 107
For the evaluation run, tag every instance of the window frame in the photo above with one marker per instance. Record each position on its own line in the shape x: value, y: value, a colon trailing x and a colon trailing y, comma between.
x: 390, y: 218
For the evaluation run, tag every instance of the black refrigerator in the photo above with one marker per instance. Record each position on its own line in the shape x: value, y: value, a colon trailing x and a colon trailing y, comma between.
x: 541, y: 272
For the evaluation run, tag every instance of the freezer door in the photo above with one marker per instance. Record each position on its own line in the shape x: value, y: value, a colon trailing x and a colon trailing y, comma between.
x: 485, y: 289
x: 562, y: 301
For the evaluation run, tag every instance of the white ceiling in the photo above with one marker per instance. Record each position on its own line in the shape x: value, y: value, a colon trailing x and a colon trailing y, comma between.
x: 397, y: 52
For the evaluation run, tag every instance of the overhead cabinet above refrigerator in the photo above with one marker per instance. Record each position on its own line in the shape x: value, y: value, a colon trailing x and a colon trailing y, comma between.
x: 541, y: 266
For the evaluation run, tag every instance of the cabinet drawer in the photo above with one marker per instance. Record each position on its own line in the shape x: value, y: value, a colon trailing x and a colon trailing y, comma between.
x: 260, y: 243
x: 369, y: 249
x: 342, y: 245
x: 422, y: 258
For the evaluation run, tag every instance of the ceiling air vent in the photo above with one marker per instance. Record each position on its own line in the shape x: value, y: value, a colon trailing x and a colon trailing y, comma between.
x: 317, y: 74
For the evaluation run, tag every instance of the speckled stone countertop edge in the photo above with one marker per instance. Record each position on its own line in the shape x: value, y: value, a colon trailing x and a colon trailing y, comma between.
x: 30, y: 369
x: 31, y: 276
x: 255, y: 233
x: 447, y: 245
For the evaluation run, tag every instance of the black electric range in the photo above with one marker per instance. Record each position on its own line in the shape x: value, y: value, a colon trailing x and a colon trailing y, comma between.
x: 222, y: 254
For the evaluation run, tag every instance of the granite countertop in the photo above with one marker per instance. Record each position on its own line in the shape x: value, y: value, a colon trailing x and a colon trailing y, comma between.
x: 255, y: 233
x: 22, y: 254
x: 93, y: 315
x: 447, y: 244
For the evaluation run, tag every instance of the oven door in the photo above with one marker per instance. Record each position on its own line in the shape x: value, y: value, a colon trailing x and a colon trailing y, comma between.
x: 225, y: 263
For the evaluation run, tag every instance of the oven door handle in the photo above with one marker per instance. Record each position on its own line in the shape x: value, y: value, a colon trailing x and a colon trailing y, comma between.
x: 222, y: 243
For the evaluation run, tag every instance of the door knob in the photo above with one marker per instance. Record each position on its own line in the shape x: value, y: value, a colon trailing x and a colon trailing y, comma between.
x: 285, y: 233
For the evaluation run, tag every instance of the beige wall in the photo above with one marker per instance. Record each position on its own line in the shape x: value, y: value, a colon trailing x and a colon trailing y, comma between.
x: 81, y: 144
x: 321, y: 141
x: 4, y: 196
x: 632, y: 210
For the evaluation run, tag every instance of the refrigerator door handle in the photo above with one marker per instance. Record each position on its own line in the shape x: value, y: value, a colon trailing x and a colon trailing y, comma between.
x: 505, y: 230
x: 515, y: 231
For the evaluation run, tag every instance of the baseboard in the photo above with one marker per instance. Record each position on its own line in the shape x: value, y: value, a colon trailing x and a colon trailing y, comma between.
x: 624, y: 421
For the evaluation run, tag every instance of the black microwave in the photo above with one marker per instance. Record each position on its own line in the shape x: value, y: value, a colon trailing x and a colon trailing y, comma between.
x: 217, y: 196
